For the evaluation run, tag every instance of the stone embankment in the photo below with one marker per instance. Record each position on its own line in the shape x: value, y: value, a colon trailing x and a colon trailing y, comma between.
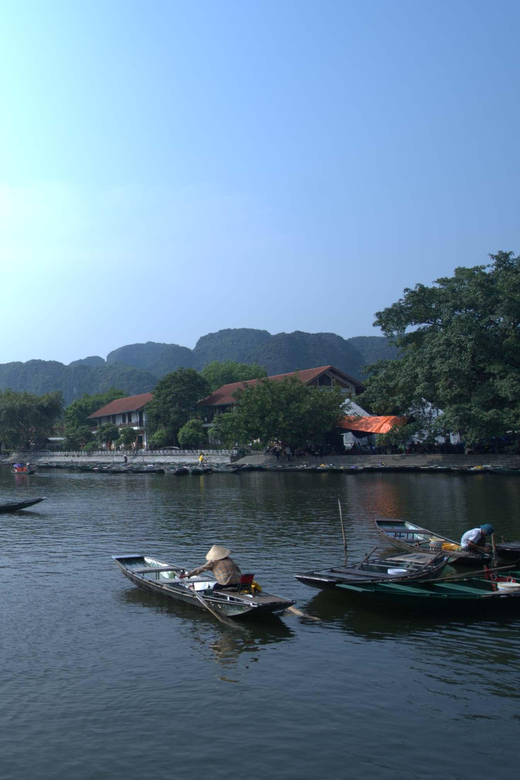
x: 223, y: 460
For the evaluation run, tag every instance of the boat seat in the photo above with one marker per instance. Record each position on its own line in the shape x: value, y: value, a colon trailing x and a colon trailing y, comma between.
x: 244, y: 586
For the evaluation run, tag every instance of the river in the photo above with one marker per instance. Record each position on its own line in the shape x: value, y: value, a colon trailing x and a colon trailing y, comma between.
x: 100, y: 680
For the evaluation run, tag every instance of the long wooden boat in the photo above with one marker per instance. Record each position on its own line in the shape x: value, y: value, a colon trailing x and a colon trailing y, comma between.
x: 491, y: 589
x: 161, y: 578
x: 408, y: 567
x: 14, y: 506
x: 408, y: 536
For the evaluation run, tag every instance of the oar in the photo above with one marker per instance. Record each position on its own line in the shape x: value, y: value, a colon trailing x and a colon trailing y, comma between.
x: 214, y: 612
x: 298, y: 612
x: 342, y: 530
x: 365, y: 559
x: 494, y: 557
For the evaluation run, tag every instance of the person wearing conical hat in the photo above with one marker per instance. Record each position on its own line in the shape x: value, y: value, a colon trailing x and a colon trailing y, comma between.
x: 224, y: 568
x: 474, y: 540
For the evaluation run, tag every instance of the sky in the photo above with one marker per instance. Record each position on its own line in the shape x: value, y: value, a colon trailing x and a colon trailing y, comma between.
x: 169, y: 169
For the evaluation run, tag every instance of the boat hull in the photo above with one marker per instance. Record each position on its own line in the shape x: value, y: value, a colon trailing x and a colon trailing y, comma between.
x: 418, y: 567
x: 229, y: 603
x: 15, y: 506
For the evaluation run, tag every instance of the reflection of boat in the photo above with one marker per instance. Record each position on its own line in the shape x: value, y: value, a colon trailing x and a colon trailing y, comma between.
x: 162, y: 578
x: 411, y: 537
x: 490, y: 589
x: 395, y: 568
x: 14, y: 506
x: 200, y: 469
x: 22, y: 468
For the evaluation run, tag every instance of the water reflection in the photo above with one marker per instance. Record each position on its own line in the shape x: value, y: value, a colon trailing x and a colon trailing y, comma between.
x: 249, y: 636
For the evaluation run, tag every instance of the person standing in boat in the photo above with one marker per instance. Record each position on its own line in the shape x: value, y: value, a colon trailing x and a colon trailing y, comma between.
x: 474, y: 540
x: 224, y: 568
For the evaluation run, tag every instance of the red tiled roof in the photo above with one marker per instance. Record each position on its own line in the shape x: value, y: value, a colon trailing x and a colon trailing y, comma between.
x: 131, y: 404
x: 371, y: 424
x: 224, y: 394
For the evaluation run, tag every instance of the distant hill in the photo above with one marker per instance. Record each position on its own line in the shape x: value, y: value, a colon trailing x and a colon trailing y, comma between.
x: 291, y: 351
x: 373, y: 348
x: 45, y: 376
x: 94, y: 360
x: 138, y: 355
x: 136, y: 368
x: 230, y: 344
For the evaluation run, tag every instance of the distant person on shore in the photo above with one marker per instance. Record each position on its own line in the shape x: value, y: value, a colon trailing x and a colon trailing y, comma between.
x: 224, y: 568
x: 474, y: 540
x: 201, y: 459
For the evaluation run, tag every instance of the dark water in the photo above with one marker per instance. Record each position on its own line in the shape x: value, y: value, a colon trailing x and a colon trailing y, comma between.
x: 100, y: 680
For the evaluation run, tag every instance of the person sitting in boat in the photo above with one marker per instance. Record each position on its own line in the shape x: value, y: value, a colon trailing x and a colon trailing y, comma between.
x: 223, y: 567
x: 474, y: 540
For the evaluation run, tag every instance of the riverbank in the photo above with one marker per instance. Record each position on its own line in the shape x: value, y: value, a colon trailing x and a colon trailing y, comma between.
x: 183, y: 461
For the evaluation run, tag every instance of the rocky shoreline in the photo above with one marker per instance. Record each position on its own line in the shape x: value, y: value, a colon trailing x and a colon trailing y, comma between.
x: 215, y: 463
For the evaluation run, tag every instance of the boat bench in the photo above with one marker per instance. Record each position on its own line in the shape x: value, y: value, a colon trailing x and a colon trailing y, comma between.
x: 461, y: 588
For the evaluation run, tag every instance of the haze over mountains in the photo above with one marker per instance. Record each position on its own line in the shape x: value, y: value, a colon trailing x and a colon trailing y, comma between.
x: 136, y: 368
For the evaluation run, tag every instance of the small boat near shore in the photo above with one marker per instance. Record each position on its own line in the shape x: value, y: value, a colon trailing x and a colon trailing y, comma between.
x: 408, y: 567
x: 15, y: 506
x: 161, y: 578
x: 22, y: 468
x: 410, y: 537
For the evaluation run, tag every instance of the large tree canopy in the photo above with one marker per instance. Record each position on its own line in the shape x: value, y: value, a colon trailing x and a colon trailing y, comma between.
x: 287, y: 411
x: 77, y: 429
x: 27, y: 420
x: 459, y: 347
x: 173, y: 404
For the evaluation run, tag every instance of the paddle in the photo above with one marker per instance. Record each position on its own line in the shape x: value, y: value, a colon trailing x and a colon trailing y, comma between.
x: 365, y: 559
x: 342, y: 530
x: 298, y: 612
x: 214, y: 612
x: 494, y: 557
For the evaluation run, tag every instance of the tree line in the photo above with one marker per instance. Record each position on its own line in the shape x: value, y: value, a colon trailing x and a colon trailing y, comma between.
x: 456, y: 370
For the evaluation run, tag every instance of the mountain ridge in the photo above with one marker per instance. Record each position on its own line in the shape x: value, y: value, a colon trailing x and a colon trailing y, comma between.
x: 136, y: 368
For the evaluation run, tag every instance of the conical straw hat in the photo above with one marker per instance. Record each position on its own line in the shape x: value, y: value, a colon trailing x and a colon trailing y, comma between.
x: 217, y: 553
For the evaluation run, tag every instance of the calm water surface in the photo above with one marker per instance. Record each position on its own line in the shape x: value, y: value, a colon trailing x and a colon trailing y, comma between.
x: 100, y: 680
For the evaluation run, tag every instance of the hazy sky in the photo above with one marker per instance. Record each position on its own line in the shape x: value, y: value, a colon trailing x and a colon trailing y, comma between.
x: 168, y: 168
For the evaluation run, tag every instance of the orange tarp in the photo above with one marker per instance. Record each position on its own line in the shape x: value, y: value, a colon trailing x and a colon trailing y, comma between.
x: 371, y: 424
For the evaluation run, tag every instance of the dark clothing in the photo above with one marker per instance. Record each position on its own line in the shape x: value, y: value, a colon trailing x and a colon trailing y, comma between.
x: 226, y: 571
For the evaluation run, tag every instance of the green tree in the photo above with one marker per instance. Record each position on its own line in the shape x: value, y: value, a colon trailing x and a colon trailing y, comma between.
x: 192, y: 435
x: 288, y: 411
x: 77, y: 412
x: 173, y: 402
x: 459, y: 352
x: 77, y: 438
x: 127, y: 437
x: 218, y: 374
x: 27, y: 420
x: 108, y: 432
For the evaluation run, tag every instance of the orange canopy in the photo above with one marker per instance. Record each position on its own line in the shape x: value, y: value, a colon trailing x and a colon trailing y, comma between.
x: 371, y: 424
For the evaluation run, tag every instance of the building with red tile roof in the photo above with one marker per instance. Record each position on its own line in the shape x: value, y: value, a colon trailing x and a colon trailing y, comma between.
x: 223, y: 399
x: 127, y: 412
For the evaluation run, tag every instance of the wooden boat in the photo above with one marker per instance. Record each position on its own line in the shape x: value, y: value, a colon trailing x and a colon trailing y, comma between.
x: 200, y: 469
x: 394, y: 568
x: 14, y: 506
x: 22, y: 468
x: 408, y: 536
x: 162, y: 578
x: 494, y: 588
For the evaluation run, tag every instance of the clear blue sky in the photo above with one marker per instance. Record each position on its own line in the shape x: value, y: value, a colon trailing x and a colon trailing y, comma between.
x: 168, y: 169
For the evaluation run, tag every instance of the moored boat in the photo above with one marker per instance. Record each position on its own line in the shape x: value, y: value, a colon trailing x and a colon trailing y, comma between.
x: 493, y: 589
x: 15, y: 506
x: 408, y: 536
x: 394, y: 568
x: 161, y: 578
